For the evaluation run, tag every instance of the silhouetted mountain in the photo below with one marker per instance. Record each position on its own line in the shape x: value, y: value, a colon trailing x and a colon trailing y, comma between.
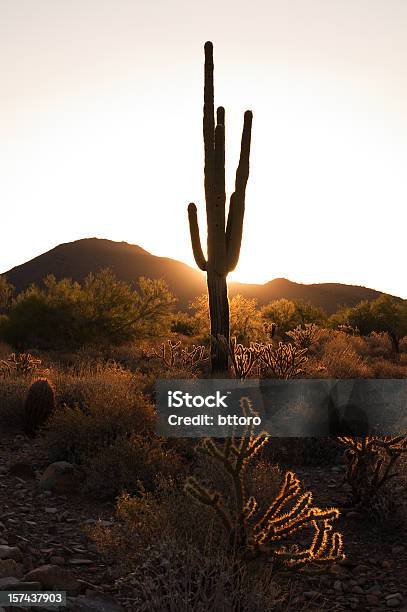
x: 77, y: 259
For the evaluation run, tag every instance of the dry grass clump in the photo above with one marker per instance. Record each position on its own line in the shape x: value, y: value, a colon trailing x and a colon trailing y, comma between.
x: 87, y: 383
x: 106, y: 414
x: 339, y: 358
x: 379, y: 345
x: 179, y: 579
x: 384, y: 368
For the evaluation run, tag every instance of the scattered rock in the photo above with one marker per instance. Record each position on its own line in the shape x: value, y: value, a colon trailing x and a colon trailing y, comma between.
x: 372, y: 600
x: 355, y: 516
x: 54, y: 577
x: 22, y: 470
x: 11, y: 583
x: 62, y: 477
x: 388, y: 564
x: 96, y: 603
x: 310, y: 594
x: 10, y: 552
x: 57, y: 560
x: 394, y: 602
x: 9, y: 567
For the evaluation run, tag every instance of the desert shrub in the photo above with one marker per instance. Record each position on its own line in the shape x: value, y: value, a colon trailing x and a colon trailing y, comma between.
x: 340, y: 360
x: 359, y: 344
x: 107, y: 410
x: 128, y: 463
x: 379, y: 345
x: 371, y: 465
x: 183, y: 323
x: 13, y: 392
x: 385, y: 368
x: 87, y: 382
x: 103, y: 310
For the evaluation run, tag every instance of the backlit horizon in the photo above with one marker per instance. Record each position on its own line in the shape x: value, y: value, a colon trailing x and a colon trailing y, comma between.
x: 101, y: 130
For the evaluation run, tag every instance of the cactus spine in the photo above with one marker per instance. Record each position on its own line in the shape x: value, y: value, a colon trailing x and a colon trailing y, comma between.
x: 39, y: 405
x: 223, y: 244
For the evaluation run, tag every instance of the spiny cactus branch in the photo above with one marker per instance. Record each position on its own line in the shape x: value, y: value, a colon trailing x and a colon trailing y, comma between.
x: 195, y: 237
x: 288, y: 513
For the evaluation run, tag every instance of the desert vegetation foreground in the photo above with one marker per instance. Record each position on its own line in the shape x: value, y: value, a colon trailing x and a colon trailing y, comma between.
x: 95, y: 503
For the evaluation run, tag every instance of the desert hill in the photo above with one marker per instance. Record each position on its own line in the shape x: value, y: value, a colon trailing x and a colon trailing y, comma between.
x: 76, y: 259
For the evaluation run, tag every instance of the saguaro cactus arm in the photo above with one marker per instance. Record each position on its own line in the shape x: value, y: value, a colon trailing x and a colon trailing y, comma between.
x: 195, y: 237
x: 234, y: 227
x: 208, y: 125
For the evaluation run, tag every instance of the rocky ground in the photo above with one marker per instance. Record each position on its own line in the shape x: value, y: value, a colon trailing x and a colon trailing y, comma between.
x: 43, y: 543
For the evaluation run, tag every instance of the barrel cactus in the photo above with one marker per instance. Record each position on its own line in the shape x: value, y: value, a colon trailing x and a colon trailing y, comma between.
x: 39, y: 405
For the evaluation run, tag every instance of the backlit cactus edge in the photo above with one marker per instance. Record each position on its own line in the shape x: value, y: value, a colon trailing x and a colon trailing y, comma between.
x: 224, y: 238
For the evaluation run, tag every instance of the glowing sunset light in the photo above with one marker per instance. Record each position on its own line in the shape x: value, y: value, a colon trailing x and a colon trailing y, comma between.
x: 101, y: 130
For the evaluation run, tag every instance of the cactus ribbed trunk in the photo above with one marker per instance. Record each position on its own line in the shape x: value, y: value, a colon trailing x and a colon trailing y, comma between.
x: 223, y: 243
x: 219, y: 315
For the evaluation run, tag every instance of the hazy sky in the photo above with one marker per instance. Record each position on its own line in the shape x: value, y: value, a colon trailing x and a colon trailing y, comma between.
x: 101, y: 129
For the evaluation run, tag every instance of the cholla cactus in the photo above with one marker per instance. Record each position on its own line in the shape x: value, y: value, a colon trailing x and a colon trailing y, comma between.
x: 175, y: 356
x: 286, y: 361
x: 243, y: 358
x: 39, y: 405
x: 20, y: 364
x: 371, y: 461
x: 287, y: 514
x: 304, y: 337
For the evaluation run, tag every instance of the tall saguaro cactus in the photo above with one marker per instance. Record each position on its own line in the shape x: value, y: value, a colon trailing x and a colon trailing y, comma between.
x: 224, y: 243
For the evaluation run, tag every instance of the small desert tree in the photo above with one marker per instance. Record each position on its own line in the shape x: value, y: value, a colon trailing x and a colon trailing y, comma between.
x: 244, y: 319
x: 282, y: 313
x: 103, y: 310
x: 288, y: 314
x: 385, y: 314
